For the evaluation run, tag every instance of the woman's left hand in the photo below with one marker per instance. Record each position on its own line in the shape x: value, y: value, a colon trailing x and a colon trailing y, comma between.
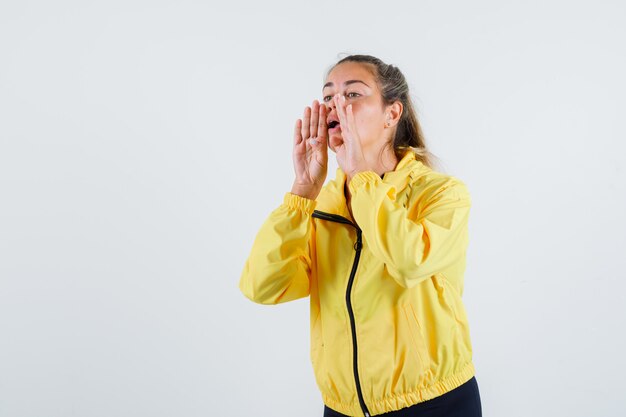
x: 349, y: 154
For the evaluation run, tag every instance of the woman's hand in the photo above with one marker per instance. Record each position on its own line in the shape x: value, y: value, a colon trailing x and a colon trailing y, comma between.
x: 349, y: 153
x: 310, y: 153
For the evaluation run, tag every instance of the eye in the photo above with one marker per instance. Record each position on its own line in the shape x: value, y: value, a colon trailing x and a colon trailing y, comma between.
x: 328, y: 98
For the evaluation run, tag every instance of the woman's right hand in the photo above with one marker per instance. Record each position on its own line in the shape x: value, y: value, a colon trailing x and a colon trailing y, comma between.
x: 310, y: 151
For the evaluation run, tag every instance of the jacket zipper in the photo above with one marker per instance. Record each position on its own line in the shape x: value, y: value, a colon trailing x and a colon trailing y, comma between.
x: 358, y: 245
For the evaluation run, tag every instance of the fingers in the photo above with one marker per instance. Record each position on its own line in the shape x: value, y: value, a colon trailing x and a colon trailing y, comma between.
x: 306, y: 121
x: 340, y: 102
x: 346, y: 118
x: 319, y: 140
x: 350, y: 118
x: 297, y: 135
x: 322, y: 127
x: 314, y: 119
x: 313, y: 128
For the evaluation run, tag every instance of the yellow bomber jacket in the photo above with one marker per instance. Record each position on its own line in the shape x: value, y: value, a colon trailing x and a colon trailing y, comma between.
x: 388, y: 325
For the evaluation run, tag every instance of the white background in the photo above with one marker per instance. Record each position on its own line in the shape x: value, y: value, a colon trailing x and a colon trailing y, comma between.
x: 142, y: 145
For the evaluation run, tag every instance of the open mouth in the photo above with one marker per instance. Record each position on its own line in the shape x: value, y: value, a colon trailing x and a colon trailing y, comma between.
x: 333, y: 124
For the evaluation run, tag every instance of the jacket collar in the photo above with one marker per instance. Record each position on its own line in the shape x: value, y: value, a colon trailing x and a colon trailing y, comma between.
x: 333, y: 200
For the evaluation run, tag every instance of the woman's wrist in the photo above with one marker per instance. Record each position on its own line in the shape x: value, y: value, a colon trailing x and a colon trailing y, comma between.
x: 305, y: 191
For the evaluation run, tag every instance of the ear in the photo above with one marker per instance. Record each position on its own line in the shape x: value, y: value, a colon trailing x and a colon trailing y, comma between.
x: 393, y: 113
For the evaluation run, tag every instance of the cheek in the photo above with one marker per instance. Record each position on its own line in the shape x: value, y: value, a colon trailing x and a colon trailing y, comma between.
x: 366, y: 112
x: 368, y: 121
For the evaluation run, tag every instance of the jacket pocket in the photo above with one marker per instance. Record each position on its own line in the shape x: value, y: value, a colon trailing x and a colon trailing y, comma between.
x: 455, y: 303
x: 417, y: 342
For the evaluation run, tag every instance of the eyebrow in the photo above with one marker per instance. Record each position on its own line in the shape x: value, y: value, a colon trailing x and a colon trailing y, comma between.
x: 330, y: 83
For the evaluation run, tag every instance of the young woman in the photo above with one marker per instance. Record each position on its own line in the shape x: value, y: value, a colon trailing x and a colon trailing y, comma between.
x: 380, y: 251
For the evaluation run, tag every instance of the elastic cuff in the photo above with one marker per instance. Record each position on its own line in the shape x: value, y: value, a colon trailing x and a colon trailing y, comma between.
x: 361, y: 178
x: 298, y: 202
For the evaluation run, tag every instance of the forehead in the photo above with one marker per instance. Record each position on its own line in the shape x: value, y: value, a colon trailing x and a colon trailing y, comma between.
x: 351, y: 71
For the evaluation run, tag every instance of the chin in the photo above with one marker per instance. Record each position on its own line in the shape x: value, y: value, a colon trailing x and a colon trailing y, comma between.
x: 335, y: 140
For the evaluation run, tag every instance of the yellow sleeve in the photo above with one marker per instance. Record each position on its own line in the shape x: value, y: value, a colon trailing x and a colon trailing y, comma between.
x: 414, y: 242
x: 279, y: 265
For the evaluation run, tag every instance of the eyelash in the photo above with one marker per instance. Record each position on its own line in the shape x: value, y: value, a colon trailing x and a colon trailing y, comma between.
x: 348, y: 94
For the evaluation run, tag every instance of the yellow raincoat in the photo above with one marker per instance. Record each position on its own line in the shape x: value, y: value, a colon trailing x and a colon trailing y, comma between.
x: 388, y: 325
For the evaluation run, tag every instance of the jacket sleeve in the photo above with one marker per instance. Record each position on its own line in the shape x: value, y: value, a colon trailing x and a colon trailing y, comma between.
x: 417, y: 241
x: 279, y: 265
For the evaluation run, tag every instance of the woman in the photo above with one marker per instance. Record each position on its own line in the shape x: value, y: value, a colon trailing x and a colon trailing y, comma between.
x: 379, y: 250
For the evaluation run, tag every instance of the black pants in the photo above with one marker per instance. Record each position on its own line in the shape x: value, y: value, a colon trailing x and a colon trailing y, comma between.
x: 463, y: 401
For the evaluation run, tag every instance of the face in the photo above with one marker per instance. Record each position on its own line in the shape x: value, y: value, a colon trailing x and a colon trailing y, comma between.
x: 358, y: 85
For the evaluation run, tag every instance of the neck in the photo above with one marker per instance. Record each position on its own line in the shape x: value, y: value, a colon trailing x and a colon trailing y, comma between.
x: 387, y: 162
